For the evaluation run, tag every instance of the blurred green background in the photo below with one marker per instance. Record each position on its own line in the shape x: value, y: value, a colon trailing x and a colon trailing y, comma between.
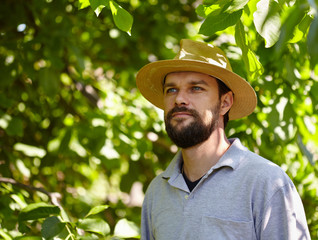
x: 78, y: 143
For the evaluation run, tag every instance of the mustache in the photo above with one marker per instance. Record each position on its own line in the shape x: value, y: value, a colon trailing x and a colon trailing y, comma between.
x: 177, y: 109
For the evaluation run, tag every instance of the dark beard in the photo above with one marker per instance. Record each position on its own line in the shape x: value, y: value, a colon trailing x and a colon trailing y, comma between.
x: 194, y: 133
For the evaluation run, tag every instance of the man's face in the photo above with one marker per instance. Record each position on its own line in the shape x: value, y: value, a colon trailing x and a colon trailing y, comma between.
x: 191, y: 105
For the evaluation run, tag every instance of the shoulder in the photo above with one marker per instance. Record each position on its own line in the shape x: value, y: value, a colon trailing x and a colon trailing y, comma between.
x: 264, y: 169
x: 258, y: 172
x: 270, y: 186
x: 253, y: 164
x: 155, y: 186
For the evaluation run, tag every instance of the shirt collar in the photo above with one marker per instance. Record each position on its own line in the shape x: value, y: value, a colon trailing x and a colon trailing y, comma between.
x: 174, y: 167
x: 231, y: 158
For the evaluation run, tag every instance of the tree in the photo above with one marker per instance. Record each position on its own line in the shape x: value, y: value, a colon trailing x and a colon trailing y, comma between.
x: 78, y: 140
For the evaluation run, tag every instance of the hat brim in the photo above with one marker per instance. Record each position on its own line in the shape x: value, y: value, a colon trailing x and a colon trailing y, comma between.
x: 149, y: 80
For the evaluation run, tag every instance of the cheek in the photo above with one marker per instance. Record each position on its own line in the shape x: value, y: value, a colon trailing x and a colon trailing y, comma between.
x: 211, y: 114
x: 207, y: 116
x: 168, y: 104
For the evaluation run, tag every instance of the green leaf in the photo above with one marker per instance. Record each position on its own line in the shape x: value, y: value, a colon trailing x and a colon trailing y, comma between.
x: 205, y: 10
x: 253, y: 65
x: 301, y: 29
x: 255, y: 68
x: 94, y: 225
x: 236, y: 5
x: 51, y: 227
x: 305, y: 23
x: 200, y: 11
x: 5, y: 235
x: 83, y: 4
x: 312, y: 40
x: 98, y: 5
x: 96, y: 210
x: 267, y: 21
x: 290, y: 26
x: 240, y: 37
x: 23, y: 227
x: 214, y: 23
x: 38, y: 210
x: 122, y: 18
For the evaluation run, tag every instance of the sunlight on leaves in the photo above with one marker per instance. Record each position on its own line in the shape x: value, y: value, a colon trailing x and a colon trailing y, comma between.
x: 109, y: 151
x: 205, y: 10
x: 29, y: 150
x: 126, y: 229
x: 83, y: 4
x: 23, y: 169
x: 98, y: 5
x: 236, y: 5
x: 267, y: 21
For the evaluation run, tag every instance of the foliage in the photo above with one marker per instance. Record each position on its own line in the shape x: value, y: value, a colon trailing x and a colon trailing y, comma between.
x: 79, y: 145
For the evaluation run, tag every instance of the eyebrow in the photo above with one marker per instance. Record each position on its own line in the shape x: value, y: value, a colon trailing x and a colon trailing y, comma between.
x: 194, y: 82
x: 198, y: 82
x: 168, y: 85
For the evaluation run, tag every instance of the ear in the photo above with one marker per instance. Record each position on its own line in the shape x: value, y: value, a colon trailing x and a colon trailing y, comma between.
x: 226, y: 102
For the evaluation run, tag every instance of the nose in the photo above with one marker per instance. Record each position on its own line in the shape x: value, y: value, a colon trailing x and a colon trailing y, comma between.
x: 181, y: 98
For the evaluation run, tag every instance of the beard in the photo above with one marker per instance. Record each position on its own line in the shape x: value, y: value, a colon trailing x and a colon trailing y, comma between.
x: 195, y: 132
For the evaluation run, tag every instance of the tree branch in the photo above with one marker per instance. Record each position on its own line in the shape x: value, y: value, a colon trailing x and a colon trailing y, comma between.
x: 55, y: 197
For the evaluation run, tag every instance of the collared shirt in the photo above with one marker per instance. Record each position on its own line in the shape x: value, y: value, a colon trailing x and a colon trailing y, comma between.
x: 243, y: 196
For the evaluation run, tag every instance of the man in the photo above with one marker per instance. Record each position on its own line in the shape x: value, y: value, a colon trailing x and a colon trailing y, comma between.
x: 214, y: 188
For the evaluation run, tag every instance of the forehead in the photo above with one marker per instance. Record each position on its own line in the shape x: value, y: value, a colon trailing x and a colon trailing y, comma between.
x: 189, y: 78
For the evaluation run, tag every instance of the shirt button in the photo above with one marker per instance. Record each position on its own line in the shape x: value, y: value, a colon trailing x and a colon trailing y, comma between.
x: 186, y: 197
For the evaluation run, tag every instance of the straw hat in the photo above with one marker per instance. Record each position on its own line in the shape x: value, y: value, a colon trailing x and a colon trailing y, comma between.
x: 197, y: 57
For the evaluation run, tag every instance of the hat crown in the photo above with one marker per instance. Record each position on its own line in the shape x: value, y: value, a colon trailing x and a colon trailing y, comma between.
x: 199, y: 51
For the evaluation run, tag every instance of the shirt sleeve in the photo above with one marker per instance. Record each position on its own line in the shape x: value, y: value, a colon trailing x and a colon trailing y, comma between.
x: 284, y: 217
x: 146, y: 226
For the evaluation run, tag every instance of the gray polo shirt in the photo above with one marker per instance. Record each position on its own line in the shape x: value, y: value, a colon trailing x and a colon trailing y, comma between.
x: 243, y: 196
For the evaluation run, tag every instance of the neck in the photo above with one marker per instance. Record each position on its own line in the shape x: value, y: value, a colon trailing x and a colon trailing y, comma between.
x: 197, y: 160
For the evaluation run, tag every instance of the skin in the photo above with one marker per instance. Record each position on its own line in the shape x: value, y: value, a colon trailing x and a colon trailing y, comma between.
x: 200, y: 92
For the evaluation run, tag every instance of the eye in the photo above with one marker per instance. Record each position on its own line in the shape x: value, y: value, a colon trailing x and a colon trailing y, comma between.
x: 197, y: 88
x: 171, y: 90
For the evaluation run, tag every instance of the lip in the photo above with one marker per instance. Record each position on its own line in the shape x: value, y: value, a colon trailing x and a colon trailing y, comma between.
x: 181, y: 114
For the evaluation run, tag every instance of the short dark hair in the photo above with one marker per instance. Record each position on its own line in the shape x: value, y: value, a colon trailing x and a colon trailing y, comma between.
x: 223, y: 89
